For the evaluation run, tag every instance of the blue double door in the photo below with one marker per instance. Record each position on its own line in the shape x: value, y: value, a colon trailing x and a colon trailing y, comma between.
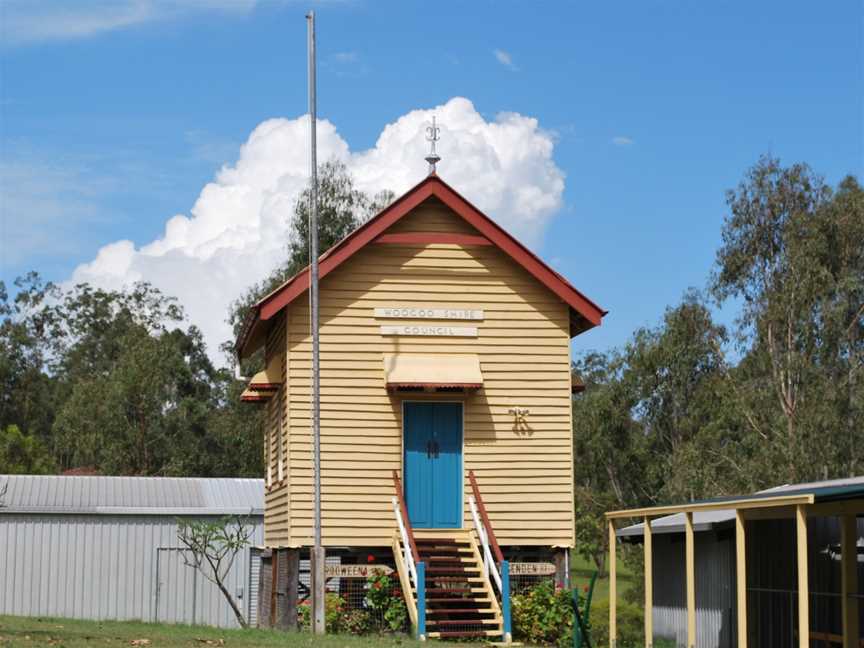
x: 433, y: 464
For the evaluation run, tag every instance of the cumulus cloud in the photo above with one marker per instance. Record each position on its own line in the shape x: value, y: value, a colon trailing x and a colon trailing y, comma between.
x: 26, y: 21
x: 505, y: 59
x: 236, y: 231
x: 621, y: 140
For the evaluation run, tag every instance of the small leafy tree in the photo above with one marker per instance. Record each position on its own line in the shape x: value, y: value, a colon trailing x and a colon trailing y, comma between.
x: 213, y: 548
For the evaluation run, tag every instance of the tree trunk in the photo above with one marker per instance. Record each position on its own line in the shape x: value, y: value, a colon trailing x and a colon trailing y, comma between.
x: 237, y: 613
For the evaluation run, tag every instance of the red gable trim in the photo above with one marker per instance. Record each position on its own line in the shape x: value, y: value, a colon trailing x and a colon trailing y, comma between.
x: 430, y: 187
x: 346, y: 248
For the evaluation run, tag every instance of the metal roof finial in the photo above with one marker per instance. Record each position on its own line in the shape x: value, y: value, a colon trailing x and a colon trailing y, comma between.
x: 432, y: 136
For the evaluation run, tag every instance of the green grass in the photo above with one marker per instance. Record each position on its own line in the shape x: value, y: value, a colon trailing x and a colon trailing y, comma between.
x: 36, y: 632
x: 581, y: 571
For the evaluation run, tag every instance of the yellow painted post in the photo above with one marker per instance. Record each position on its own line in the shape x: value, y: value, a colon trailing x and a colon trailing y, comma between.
x: 849, y: 578
x: 613, y: 588
x: 741, y: 577
x: 690, y: 556
x: 803, y: 579
x: 649, y: 585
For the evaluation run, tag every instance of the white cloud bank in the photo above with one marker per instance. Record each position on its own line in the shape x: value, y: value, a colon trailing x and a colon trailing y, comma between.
x: 236, y: 231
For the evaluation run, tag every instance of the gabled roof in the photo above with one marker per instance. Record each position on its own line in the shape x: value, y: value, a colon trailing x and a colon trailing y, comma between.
x: 584, y: 313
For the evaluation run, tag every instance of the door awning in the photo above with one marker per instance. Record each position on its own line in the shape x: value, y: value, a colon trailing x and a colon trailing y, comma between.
x: 254, y: 396
x: 403, y: 370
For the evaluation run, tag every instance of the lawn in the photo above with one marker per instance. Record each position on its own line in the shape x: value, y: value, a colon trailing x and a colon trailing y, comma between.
x: 580, y: 576
x: 68, y: 633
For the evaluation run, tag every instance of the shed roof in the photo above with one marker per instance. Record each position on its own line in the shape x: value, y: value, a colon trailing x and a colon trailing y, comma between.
x: 823, y: 491
x: 131, y: 495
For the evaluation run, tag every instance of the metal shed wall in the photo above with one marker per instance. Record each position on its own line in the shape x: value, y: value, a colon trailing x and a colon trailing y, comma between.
x: 715, y: 589
x: 105, y: 567
x: 771, y: 584
x: 94, y: 547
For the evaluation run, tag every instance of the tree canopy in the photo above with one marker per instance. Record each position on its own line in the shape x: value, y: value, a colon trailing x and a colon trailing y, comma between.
x: 116, y: 381
x: 689, y: 409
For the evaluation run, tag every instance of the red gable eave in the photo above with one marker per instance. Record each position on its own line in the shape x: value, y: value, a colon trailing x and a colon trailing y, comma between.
x: 585, y: 313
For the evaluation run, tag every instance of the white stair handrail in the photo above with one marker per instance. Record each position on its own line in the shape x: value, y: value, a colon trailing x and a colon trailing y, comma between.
x: 403, y: 532
x: 488, y: 562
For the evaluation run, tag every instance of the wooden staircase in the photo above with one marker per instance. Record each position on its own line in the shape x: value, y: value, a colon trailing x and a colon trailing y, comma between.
x: 460, y: 602
x: 446, y: 580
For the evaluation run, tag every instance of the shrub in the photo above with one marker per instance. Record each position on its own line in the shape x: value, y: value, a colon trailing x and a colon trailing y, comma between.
x: 357, y: 622
x: 384, y: 600
x: 334, y: 611
x: 631, y: 625
x: 543, y: 615
x: 383, y: 610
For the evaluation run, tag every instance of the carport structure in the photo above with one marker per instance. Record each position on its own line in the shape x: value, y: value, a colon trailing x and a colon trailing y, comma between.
x: 844, y: 501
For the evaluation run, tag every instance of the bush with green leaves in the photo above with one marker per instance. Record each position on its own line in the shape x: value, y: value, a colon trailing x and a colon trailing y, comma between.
x: 631, y: 625
x: 335, y: 610
x: 384, y: 600
x: 543, y: 615
x: 383, y: 610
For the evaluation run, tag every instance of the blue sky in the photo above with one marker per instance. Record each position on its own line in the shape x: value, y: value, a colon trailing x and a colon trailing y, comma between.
x: 114, y: 116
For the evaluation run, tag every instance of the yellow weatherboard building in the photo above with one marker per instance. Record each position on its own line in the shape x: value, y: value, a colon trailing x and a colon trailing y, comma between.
x: 445, y: 395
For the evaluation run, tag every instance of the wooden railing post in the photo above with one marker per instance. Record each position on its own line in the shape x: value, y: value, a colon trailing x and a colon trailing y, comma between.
x: 404, y: 511
x: 421, y: 600
x: 505, y: 601
x: 484, y: 516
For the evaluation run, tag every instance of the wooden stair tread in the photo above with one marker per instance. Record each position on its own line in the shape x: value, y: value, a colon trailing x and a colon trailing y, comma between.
x: 465, y: 633
x: 440, y: 622
x: 461, y: 611
x: 459, y: 599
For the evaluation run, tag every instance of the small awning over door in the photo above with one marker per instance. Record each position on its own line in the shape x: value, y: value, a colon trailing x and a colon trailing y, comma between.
x: 408, y: 371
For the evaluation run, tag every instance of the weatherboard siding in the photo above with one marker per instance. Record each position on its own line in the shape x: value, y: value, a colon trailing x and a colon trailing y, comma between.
x: 524, y: 348
x: 277, y: 517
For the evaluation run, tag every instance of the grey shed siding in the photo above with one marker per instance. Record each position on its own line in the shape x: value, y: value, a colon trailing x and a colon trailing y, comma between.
x: 715, y: 589
x: 100, y: 565
x: 772, y: 580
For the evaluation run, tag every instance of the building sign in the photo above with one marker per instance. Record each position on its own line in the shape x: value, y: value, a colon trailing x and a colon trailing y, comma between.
x: 430, y: 330
x: 356, y: 571
x: 531, y: 569
x: 422, y: 312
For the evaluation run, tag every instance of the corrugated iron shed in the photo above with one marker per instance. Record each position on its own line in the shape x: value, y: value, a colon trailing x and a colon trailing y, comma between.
x: 92, y: 547
x: 706, y: 520
x: 131, y: 495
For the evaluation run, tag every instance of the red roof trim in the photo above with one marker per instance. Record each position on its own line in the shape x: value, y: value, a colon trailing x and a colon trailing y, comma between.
x: 254, y: 399
x: 436, y: 384
x: 431, y: 186
x: 340, y: 252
